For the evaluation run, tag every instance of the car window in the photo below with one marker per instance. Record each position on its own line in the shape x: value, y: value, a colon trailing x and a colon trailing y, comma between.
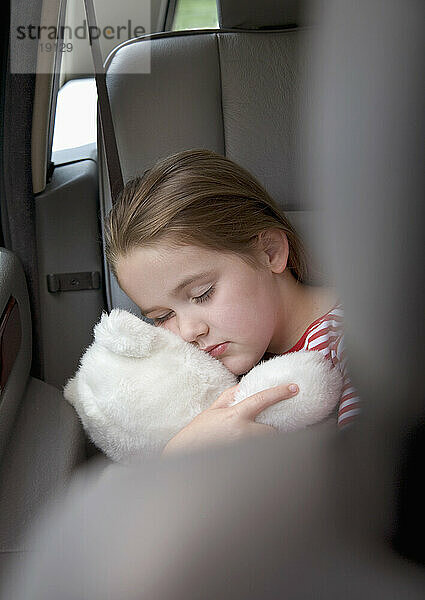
x: 75, y: 121
x: 195, y: 14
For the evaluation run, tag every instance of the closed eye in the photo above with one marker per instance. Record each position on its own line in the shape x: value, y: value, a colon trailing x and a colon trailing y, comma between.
x: 197, y: 299
x: 159, y: 320
x: 205, y: 296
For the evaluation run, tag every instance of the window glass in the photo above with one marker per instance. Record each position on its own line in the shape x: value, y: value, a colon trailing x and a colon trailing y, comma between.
x: 75, y: 120
x: 195, y: 14
x: 76, y: 109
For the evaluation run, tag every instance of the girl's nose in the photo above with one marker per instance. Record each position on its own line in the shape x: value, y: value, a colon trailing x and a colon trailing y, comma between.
x: 190, y: 329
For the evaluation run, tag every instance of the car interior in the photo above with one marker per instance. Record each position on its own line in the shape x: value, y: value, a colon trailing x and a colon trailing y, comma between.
x: 242, y: 78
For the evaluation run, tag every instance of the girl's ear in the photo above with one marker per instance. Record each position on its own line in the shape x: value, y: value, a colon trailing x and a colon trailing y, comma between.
x: 274, y: 248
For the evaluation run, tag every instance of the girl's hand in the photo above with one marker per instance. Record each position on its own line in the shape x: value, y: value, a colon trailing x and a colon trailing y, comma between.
x: 221, y: 423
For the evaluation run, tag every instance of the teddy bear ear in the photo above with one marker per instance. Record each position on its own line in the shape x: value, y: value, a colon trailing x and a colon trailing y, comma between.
x: 125, y: 334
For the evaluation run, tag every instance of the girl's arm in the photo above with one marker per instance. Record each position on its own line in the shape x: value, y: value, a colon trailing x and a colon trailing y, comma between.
x: 221, y: 423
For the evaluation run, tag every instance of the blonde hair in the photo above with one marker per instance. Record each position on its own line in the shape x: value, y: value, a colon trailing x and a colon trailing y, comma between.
x: 197, y: 197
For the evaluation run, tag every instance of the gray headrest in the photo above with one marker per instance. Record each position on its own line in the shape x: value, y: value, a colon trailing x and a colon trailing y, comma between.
x: 255, y: 14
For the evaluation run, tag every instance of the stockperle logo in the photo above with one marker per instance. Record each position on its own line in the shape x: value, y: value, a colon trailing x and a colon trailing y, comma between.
x: 81, y: 32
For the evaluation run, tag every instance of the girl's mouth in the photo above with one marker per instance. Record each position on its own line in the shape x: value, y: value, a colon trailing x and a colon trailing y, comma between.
x: 218, y: 350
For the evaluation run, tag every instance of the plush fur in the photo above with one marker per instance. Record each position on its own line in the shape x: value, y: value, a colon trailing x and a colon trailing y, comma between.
x: 138, y: 385
x: 319, y: 389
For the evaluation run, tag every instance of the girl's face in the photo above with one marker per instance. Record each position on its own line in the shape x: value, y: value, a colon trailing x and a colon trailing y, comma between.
x: 211, y: 299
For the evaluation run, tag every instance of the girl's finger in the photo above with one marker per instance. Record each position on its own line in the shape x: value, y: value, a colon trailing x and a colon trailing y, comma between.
x: 225, y: 398
x: 253, y: 405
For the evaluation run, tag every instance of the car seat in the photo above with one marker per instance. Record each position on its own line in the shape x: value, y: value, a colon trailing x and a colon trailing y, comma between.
x: 237, y: 91
x: 41, y: 438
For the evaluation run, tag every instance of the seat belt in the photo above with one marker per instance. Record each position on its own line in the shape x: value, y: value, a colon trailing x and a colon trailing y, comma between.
x: 116, y: 182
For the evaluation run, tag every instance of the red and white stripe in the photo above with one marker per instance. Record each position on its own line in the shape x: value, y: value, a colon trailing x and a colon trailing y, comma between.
x: 326, y: 335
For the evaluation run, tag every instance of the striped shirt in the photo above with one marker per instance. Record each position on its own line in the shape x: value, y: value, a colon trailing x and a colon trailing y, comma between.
x: 326, y: 335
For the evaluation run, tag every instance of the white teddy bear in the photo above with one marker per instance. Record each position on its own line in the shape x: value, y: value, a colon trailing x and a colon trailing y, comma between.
x: 138, y: 385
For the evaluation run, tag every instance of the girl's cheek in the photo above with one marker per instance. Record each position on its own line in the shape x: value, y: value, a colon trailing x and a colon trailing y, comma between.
x: 233, y: 312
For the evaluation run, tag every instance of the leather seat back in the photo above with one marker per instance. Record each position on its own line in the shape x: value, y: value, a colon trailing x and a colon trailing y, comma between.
x: 41, y: 437
x: 237, y: 92
x: 15, y: 343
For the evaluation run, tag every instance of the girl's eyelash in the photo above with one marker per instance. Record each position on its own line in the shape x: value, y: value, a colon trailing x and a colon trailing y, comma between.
x: 159, y: 320
x: 197, y: 299
x: 205, y: 296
